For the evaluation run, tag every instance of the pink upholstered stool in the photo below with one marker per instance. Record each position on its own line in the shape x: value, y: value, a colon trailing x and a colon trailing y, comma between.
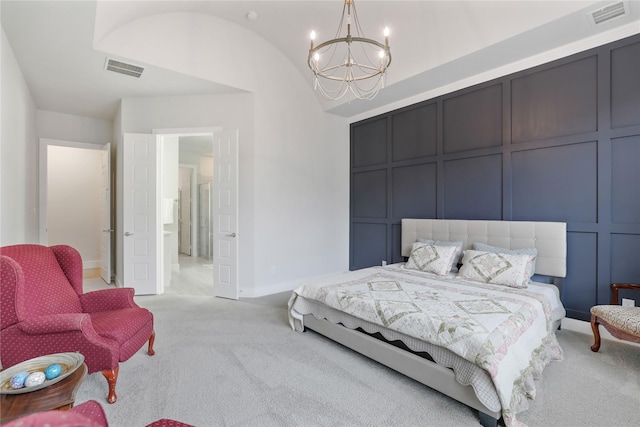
x: 168, y: 423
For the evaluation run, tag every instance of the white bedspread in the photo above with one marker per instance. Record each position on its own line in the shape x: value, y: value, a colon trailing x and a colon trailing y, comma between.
x: 507, y: 332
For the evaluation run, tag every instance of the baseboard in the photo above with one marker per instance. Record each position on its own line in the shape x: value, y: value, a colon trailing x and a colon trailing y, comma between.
x: 282, y: 287
x: 86, y: 265
x: 585, y: 328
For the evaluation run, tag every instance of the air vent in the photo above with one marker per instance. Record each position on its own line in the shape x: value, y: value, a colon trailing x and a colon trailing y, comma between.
x: 608, y: 13
x: 123, y: 68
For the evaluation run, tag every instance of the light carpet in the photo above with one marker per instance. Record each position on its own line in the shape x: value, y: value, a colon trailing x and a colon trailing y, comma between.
x: 237, y: 363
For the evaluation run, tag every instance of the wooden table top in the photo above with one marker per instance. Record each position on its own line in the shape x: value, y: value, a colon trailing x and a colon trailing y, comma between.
x: 60, y: 395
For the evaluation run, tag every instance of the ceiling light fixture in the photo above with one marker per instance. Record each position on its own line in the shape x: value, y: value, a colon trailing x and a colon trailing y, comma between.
x: 349, y: 63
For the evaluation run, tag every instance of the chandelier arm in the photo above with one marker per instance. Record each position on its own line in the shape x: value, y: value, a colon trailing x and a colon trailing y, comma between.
x: 348, y: 40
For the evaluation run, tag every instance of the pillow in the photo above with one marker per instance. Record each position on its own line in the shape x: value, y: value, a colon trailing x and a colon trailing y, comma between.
x: 431, y: 258
x: 458, y: 244
x: 511, y: 270
x: 524, y: 251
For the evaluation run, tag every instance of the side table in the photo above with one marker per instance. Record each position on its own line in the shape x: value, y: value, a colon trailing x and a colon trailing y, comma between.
x: 60, y: 395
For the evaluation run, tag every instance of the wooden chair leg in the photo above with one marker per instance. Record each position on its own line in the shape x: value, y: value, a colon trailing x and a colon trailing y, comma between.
x: 112, y: 378
x: 152, y: 339
x: 596, y: 333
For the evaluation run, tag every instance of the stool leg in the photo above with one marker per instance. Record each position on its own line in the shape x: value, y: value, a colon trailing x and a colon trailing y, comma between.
x: 596, y: 333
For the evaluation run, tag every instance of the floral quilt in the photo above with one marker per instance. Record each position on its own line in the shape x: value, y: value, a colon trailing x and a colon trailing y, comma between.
x: 505, y: 331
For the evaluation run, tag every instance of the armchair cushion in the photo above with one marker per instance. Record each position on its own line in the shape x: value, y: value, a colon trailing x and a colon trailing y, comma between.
x: 120, y: 325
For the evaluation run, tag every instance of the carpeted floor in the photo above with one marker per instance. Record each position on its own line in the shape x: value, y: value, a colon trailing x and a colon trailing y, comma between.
x: 237, y: 363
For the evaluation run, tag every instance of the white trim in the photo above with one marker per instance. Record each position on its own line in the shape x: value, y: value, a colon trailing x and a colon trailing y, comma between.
x: 187, y: 131
x: 283, y: 286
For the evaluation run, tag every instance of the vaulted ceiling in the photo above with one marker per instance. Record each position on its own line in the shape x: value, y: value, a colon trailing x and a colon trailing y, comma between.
x: 434, y: 43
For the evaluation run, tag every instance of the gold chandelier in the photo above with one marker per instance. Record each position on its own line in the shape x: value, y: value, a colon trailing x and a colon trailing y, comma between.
x: 349, y: 64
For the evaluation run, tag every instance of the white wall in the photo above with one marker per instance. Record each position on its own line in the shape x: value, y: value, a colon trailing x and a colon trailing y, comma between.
x: 70, y: 127
x: 73, y: 201
x: 294, y: 175
x: 18, y: 154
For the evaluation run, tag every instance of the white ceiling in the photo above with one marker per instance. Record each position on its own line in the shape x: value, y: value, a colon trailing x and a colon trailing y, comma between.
x: 433, y: 43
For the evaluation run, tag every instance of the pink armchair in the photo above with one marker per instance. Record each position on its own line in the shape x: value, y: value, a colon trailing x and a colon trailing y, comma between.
x: 43, y: 311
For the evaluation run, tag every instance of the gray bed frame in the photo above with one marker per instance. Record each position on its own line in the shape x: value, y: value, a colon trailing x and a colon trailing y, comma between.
x: 548, y: 237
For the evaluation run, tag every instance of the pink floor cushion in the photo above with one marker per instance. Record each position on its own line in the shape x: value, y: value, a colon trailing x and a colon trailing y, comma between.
x: 88, y: 414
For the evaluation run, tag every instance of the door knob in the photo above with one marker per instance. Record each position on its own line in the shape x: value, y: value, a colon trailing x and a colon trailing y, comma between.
x: 231, y: 235
x: 128, y: 234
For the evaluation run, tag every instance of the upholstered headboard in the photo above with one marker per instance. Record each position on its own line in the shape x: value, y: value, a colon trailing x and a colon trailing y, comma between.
x: 550, y: 238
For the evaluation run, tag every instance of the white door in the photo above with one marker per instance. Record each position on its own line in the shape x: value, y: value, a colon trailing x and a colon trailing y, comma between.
x: 140, y: 202
x: 225, y: 214
x: 105, y: 213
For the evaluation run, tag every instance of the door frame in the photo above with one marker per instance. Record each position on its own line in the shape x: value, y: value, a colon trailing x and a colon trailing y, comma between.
x: 43, y: 158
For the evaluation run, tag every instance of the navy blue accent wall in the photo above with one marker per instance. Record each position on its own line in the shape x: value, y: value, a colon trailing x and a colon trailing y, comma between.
x: 558, y: 142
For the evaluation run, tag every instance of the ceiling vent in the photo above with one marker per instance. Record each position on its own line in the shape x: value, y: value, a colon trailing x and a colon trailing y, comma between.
x: 609, y: 12
x: 123, y: 68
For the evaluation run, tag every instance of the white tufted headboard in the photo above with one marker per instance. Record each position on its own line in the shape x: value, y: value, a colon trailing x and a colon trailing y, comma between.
x: 550, y: 238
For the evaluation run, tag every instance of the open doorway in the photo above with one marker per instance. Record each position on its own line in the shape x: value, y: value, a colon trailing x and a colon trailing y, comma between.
x: 75, y: 202
x: 149, y: 191
x: 187, y: 172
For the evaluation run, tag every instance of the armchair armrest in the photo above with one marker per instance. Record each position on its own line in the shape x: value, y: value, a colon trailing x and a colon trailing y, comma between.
x: 616, y: 286
x: 55, y: 323
x: 107, y: 299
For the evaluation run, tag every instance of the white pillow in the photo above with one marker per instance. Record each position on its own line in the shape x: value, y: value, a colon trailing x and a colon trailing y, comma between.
x: 457, y: 244
x: 478, y: 246
x: 511, y: 270
x: 431, y: 258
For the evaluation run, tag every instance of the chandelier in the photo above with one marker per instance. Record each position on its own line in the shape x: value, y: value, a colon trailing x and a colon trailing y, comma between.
x: 349, y: 63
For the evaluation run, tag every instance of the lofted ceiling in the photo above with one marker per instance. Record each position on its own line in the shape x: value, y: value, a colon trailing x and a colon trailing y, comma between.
x: 434, y: 43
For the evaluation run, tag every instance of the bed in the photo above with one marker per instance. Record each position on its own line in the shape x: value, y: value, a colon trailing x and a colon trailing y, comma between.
x: 462, y: 335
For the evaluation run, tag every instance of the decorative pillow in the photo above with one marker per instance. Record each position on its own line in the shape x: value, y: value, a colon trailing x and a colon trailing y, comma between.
x: 524, y: 251
x: 431, y: 258
x: 496, y: 268
x: 458, y: 244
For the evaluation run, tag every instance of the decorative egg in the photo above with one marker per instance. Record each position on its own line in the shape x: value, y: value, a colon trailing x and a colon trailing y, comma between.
x: 52, y: 371
x: 17, y: 381
x: 34, y: 378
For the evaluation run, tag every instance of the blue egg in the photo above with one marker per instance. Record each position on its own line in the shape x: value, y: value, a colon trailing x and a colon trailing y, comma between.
x: 17, y: 381
x: 53, y: 371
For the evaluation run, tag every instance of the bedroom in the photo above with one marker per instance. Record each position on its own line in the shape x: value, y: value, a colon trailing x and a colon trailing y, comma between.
x: 278, y: 146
